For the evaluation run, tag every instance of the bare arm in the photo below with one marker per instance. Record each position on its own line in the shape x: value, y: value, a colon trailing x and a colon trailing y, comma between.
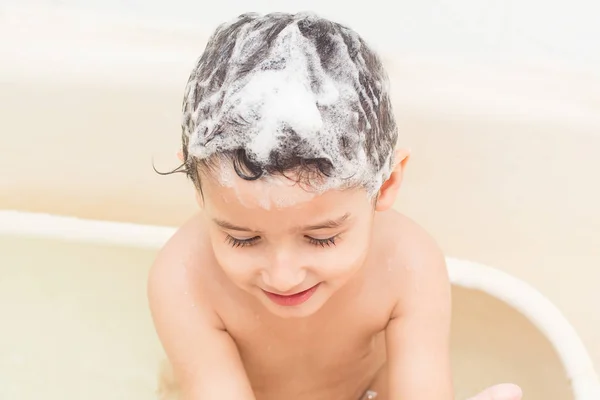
x: 204, y: 357
x: 419, y: 332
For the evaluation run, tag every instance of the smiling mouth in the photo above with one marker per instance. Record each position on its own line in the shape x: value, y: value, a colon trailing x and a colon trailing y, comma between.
x: 292, y: 299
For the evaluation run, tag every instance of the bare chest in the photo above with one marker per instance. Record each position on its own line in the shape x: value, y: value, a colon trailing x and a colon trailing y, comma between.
x: 335, y: 358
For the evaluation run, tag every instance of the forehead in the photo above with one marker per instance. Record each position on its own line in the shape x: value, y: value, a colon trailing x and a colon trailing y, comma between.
x: 229, y: 193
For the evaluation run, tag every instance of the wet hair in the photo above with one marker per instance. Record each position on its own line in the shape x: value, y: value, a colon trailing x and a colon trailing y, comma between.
x: 289, y: 94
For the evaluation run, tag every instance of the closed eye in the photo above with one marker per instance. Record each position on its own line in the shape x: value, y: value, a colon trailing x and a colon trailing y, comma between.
x: 234, y: 242
x: 323, y: 242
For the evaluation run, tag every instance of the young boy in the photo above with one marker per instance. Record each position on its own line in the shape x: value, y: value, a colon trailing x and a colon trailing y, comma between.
x: 297, y: 280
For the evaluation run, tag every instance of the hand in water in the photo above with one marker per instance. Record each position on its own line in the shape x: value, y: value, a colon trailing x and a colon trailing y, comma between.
x: 505, y: 391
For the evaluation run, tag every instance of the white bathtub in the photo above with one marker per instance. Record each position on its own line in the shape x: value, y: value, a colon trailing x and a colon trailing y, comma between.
x: 504, y: 172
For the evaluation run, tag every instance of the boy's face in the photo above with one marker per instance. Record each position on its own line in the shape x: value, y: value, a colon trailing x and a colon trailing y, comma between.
x: 289, y: 248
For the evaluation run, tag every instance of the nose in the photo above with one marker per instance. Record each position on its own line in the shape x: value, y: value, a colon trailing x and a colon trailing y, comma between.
x: 284, y: 274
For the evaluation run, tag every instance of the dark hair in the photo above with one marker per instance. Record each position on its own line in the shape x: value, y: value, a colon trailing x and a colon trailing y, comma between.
x: 334, y: 44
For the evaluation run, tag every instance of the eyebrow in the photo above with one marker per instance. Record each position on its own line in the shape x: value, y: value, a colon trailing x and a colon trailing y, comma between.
x: 329, y: 224
x: 228, y: 225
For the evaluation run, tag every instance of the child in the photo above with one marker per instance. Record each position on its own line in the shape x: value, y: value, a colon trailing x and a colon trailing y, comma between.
x: 297, y: 280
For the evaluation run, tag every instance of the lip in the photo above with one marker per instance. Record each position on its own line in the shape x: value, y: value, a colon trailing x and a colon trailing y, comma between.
x: 292, y: 299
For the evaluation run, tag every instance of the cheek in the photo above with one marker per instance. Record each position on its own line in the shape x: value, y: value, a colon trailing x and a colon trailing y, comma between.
x: 346, y: 257
x: 237, y: 264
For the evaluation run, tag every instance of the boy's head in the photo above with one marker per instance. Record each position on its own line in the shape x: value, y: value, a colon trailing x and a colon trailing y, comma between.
x: 287, y: 122
x: 290, y: 93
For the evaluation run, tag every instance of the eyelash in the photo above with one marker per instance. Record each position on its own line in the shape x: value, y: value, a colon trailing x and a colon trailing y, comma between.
x: 322, y: 242
x: 241, y: 242
x: 251, y: 241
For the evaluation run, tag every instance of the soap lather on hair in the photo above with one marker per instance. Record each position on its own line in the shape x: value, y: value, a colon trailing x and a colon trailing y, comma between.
x: 286, y: 93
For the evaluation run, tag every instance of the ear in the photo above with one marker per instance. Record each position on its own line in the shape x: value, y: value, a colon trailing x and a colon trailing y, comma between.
x: 389, y: 190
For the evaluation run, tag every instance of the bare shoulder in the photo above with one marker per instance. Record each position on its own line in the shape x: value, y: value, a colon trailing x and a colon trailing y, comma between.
x: 418, y: 331
x: 175, y: 278
x: 182, y: 262
x: 180, y: 294
x: 406, y: 241
x: 415, y: 261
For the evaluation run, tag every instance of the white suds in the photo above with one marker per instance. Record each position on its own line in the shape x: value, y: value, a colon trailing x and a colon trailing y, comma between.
x: 289, y: 91
x: 270, y: 192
